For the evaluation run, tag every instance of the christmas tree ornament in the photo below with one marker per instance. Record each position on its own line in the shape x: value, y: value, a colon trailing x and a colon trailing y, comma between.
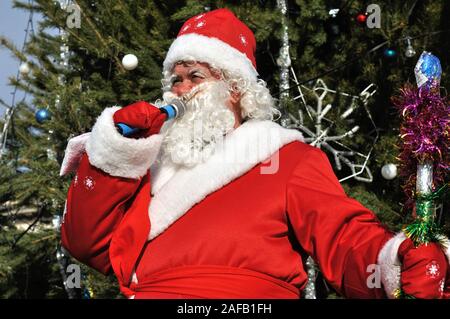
x: 333, y: 12
x: 321, y: 134
x: 23, y: 169
x: 51, y: 155
x: 389, y: 171
x: 332, y: 25
x: 24, y: 69
x: 284, y: 63
x: 35, y: 132
x: 361, y: 18
x: 390, y: 53
x: 310, y: 289
x: 409, y: 52
x: 129, y: 62
x: 42, y: 115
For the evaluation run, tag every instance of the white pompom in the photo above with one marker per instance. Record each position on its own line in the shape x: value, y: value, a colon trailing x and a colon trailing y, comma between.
x: 130, y: 62
x: 389, y: 171
x: 24, y: 68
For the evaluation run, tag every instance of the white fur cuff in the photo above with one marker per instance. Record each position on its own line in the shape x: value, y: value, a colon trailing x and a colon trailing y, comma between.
x: 117, y: 155
x: 445, y: 242
x: 74, y: 151
x: 390, y: 265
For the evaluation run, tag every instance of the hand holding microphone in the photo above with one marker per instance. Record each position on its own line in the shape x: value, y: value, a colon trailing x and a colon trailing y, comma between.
x: 142, y: 119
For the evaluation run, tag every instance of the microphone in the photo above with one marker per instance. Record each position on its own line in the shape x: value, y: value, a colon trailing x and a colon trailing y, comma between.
x: 175, y: 109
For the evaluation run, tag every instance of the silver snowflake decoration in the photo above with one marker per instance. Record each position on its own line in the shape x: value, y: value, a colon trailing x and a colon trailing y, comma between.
x: 321, y: 135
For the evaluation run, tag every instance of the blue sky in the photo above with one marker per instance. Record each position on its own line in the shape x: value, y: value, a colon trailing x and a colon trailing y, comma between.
x: 13, y: 25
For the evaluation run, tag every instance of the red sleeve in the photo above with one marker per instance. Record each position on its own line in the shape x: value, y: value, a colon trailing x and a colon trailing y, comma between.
x: 96, y: 203
x: 341, y: 235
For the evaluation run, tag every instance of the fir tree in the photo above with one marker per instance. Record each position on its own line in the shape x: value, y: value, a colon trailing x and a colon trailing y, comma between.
x: 335, y: 49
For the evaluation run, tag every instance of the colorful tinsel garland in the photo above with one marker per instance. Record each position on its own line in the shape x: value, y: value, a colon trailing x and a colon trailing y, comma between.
x: 425, y: 135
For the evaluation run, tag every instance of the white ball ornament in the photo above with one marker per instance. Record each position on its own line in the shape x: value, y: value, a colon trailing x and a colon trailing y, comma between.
x: 24, y: 68
x: 130, y: 62
x: 389, y: 171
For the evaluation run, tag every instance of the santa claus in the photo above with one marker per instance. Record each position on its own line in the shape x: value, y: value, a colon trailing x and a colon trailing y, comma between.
x: 223, y: 202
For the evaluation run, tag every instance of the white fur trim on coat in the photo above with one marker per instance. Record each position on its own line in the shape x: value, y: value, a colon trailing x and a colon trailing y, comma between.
x: 390, y: 265
x: 246, y: 146
x: 210, y: 50
x: 74, y: 151
x: 117, y: 155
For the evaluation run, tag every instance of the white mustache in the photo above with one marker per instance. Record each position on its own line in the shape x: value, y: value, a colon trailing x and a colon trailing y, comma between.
x: 188, y: 96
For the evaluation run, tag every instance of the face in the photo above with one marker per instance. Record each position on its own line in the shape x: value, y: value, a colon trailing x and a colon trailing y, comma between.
x: 187, y: 75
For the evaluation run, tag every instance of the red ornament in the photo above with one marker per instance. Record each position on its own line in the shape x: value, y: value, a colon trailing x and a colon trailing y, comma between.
x: 361, y: 18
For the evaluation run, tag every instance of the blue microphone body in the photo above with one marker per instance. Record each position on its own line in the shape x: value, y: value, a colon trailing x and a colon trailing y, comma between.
x: 173, y: 110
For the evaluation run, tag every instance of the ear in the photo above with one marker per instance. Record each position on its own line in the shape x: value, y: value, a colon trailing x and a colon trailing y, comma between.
x: 235, y: 97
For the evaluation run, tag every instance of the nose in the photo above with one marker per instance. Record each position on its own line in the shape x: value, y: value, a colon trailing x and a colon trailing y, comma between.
x: 182, y: 88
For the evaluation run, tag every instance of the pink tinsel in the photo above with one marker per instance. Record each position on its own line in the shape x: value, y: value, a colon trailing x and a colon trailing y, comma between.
x: 425, y: 135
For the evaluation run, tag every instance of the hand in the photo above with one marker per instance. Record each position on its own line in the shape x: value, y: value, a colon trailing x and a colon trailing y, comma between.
x: 142, y: 115
x: 423, y: 271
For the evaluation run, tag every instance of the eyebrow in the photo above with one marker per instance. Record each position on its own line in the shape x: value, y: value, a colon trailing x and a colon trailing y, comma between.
x: 174, y: 77
x: 196, y: 70
x: 192, y: 71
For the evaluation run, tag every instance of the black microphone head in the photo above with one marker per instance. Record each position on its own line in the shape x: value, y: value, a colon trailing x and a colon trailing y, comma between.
x: 179, y: 106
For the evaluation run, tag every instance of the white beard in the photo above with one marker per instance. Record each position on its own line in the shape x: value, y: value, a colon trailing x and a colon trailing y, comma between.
x: 192, y: 139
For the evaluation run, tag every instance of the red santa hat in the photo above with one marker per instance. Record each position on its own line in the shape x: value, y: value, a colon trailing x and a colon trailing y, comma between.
x: 218, y: 38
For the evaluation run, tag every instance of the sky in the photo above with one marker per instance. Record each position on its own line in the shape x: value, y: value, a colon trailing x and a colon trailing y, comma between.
x: 13, y: 23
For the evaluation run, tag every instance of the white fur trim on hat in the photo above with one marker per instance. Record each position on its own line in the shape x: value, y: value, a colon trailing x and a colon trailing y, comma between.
x: 390, y: 265
x: 117, y: 155
x: 209, y: 50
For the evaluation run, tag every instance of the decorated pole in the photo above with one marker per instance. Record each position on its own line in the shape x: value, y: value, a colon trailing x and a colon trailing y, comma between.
x: 425, y: 136
x: 424, y: 157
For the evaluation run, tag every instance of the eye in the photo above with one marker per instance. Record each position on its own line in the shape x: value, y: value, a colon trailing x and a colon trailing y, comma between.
x: 175, y: 81
x: 197, y: 76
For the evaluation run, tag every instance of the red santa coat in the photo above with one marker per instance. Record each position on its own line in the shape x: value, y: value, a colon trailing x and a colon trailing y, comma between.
x: 239, y: 225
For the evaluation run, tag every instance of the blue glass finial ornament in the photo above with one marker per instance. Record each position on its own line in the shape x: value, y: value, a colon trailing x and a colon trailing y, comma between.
x: 428, y: 71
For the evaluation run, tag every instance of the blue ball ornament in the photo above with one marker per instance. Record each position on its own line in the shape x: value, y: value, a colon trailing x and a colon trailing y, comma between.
x: 390, y: 53
x: 42, y: 115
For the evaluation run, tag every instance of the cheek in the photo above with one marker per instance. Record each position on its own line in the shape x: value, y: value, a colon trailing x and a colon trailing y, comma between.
x: 230, y: 105
x: 175, y: 90
x: 182, y: 88
x: 197, y: 81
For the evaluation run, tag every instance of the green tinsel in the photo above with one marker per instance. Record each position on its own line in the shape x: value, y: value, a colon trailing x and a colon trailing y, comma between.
x: 400, y: 294
x: 424, y: 229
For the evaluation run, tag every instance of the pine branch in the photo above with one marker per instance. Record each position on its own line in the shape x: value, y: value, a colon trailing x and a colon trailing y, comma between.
x: 39, y: 216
